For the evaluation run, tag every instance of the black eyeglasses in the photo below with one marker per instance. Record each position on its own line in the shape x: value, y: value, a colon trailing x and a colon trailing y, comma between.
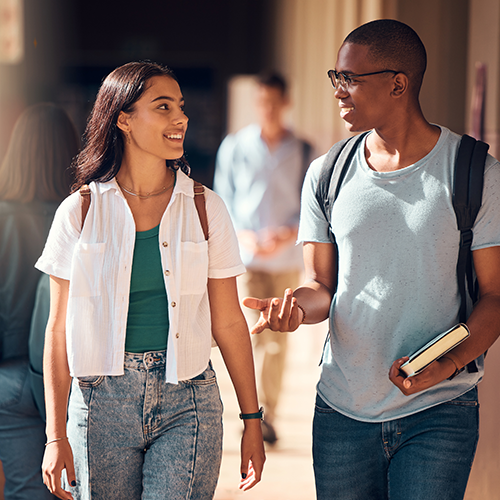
x: 341, y: 80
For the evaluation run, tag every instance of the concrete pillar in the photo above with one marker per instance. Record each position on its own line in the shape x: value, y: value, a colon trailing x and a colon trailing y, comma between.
x: 484, y: 47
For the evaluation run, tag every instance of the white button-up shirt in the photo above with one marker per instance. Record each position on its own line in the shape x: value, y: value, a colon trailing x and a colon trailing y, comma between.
x: 98, y: 262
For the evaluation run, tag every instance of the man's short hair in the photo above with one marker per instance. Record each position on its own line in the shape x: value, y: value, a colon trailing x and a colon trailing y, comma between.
x: 393, y: 45
x: 273, y: 80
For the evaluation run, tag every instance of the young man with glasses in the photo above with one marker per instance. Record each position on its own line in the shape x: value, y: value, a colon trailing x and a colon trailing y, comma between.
x: 389, y: 285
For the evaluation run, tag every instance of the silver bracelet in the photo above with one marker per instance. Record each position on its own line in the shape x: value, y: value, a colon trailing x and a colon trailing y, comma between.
x: 54, y: 440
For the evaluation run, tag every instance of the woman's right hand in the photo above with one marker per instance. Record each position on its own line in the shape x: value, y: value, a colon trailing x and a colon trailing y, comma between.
x: 58, y: 456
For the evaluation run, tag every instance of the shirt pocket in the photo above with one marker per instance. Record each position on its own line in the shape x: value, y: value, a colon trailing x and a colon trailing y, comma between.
x: 194, y: 272
x: 88, y: 263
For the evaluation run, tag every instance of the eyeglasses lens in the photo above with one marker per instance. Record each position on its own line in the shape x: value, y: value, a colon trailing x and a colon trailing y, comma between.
x: 338, y: 80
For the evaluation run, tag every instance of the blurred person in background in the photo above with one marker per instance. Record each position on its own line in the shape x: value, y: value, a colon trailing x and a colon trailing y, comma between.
x: 137, y: 291
x: 34, y: 179
x: 259, y: 174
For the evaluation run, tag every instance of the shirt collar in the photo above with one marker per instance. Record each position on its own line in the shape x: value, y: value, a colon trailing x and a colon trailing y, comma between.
x: 106, y: 186
x: 183, y: 184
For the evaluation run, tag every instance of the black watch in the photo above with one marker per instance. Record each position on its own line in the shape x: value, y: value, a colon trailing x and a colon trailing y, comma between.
x: 457, y: 372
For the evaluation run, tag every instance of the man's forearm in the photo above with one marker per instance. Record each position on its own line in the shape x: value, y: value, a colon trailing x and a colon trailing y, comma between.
x: 315, y: 299
x: 484, y: 326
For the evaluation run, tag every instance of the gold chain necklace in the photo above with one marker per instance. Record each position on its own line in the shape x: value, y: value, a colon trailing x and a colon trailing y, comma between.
x: 147, y: 195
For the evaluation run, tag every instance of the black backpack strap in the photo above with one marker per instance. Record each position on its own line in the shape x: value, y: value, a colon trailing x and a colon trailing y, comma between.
x: 467, y: 199
x: 330, y: 178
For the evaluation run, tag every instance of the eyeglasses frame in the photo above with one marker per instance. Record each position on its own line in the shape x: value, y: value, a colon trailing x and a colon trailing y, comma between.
x: 348, y: 78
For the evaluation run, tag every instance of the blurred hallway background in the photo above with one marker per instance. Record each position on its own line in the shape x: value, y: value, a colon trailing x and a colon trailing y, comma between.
x: 59, y: 50
x: 288, y: 472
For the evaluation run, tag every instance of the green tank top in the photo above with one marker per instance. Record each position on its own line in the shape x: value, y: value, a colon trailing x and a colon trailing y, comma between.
x: 147, y: 321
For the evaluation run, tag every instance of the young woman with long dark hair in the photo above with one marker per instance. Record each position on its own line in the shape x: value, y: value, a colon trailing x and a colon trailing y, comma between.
x: 137, y: 296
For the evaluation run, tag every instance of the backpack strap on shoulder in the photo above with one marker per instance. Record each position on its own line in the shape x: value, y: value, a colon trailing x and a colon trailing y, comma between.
x: 467, y: 198
x: 85, y: 197
x: 331, y: 178
x: 199, y: 201
x: 329, y: 182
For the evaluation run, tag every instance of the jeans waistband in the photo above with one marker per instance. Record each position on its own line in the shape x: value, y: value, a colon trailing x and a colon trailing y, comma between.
x: 146, y: 360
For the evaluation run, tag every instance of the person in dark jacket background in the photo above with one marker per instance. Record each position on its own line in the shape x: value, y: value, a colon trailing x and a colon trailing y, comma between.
x: 34, y: 178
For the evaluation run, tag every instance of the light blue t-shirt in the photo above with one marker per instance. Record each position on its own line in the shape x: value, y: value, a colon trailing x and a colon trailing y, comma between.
x: 261, y: 189
x: 397, y: 288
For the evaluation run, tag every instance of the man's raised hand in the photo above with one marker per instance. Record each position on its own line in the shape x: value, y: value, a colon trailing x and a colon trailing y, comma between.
x: 279, y: 315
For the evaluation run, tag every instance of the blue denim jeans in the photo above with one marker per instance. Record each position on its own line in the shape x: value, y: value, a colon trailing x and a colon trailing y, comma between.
x: 22, y: 434
x: 424, y: 456
x: 137, y: 437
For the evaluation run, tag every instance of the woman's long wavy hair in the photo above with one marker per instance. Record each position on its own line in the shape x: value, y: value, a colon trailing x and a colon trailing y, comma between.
x: 36, y: 166
x: 101, y: 156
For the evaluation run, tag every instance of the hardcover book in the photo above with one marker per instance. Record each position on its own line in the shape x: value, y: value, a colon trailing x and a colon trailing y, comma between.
x: 434, y: 349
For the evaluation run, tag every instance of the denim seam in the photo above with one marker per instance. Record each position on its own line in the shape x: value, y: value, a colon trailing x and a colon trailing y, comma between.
x: 389, y: 450
x: 193, y: 466
x: 208, y: 381
x: 153, y: 410
x: 89, y: 469
x: 462, y: 403
x: 475, y: 446
x: 384, y: 443
x: 15, y: 400
x: 94, y: 383
x: 325, y: 410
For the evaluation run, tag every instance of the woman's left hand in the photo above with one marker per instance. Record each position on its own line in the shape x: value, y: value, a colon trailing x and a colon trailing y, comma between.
x: 253, y: 455
x: 230, y: 331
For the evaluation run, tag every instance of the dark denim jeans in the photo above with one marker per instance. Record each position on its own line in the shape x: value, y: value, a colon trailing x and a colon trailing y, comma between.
x: 22, y: 434
x: 425, y: 456
x: 137, y: 437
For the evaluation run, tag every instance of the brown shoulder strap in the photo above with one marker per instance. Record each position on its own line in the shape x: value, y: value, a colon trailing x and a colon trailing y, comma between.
x: 85, y: 196
x: 199, y: 201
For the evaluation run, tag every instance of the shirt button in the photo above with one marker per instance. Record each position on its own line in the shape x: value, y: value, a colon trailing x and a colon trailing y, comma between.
x: 177, y: 335
x: 165, y: 244
x: 174, y: 304
x: 167, y: 273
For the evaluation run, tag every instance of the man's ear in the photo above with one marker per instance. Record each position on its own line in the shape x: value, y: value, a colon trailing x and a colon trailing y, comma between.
x: 400, y: 85
x: 123, y: 122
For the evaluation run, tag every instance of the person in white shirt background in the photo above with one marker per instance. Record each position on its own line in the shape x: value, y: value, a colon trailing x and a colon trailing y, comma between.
x: 259, y: 174
x: 137, y: 295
